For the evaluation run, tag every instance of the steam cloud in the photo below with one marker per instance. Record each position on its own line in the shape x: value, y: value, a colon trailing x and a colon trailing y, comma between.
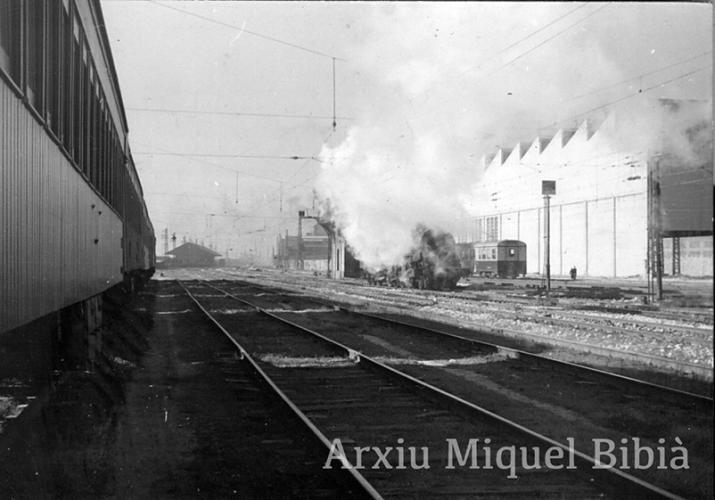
x: 439, y: 97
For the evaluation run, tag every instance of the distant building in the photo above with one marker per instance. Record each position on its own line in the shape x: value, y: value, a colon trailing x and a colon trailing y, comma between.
x: 192, y: 255
x: 611, y: 187
x: 316, y: 251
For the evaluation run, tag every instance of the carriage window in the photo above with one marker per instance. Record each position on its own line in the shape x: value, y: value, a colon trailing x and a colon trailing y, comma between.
x: 10, y: 38
x: 78, y: 116
x: 53, y: 67
x: 35, y: 57
x: 494, y: 253
x: 512, y: 252
x: 35, y: 38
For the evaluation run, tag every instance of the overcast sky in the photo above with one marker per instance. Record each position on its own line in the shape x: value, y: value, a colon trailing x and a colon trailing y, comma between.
x: 422, y: 91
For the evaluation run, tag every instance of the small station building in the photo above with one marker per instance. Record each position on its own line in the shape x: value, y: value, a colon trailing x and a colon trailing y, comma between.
x: 192, y: 255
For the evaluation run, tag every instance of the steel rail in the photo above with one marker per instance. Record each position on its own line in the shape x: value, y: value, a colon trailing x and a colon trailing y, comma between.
x: 364, y: 484
x: 600, y: 322
x: 607, y: 351
x: 595, y: 320
x: 532, y: 355
x: 540, y: 358
x: 651, y: 488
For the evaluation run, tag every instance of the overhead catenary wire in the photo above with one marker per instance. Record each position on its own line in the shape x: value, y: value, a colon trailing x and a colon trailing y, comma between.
x: 280, y: 182
x: 634, y: 94
x: 280, y: 190
x: 636, y: 77
x: 227, y: 155
x: 243, y: 29
x: 230, y: 216
x: 524, y: 38
x: 555, y: 35
x: 224, y: 167
x: 325, y: 140
x: 240, y: 113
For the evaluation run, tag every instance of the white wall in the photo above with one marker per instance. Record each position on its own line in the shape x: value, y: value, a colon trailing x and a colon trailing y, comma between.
x: 599, y: 212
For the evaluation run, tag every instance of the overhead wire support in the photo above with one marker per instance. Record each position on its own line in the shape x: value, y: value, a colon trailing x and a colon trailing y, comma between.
x: 334, y: 120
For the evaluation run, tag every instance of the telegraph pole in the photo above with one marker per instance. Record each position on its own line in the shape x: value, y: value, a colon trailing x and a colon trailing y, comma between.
x: 548, y: 188
x: 301, y: 214
x: 654, y: 262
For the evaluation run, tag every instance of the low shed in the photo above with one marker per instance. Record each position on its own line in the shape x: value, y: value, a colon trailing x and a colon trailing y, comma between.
x: 193, y: 255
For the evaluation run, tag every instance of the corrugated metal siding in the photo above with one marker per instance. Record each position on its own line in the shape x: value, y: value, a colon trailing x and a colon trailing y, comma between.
x: 48, y: 257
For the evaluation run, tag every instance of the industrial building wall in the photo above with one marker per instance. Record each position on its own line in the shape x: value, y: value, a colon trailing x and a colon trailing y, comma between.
x: 59, y: 242
x: 598, y: 216
x: 696, y: 256
x: 600, y: 237
x: 599, y: 213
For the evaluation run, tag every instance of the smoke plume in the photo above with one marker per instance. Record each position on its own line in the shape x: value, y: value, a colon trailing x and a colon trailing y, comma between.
x: 439, y: 85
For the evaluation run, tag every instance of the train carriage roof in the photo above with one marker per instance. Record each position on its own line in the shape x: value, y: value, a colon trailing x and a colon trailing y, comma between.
x: 500, y: 243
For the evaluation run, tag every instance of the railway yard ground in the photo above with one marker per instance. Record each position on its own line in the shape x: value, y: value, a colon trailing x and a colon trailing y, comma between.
x: 245, y: 383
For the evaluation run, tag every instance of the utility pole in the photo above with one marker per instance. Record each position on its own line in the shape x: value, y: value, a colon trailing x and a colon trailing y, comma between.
x: 173, y: 241
x: 655, y: 237
x: 285, y: 251
x: 548, y: 188
x: 166, y: 240
x: 301, y: 214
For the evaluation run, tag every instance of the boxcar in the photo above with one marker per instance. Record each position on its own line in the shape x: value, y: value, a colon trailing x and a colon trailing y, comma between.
x: 503, y: 259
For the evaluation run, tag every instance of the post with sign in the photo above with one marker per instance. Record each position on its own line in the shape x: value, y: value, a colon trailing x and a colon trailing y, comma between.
x: 548, y: 188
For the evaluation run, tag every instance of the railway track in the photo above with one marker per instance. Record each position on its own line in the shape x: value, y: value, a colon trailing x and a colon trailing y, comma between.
x: 616, y: 325
x: 615, y: 405
x: 491, y: 304
x: 496, y: 304
x: 650, y: 354
x: 269, y: 451
x: 341, y: 383
x: 546, y: 362
x: 620, y: 323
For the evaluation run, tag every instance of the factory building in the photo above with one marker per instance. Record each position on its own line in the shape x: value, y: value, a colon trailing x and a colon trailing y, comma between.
x: 618, y: 188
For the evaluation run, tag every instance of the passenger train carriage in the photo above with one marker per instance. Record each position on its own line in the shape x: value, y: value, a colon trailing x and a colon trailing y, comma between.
x: 73, y: 222
x: 504, y: 259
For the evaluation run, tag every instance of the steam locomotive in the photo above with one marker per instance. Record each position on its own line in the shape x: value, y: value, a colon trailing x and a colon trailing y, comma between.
x: 434, y: 264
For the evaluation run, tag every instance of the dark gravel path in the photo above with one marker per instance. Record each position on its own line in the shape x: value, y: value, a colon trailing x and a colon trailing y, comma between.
x: 176, y: 416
